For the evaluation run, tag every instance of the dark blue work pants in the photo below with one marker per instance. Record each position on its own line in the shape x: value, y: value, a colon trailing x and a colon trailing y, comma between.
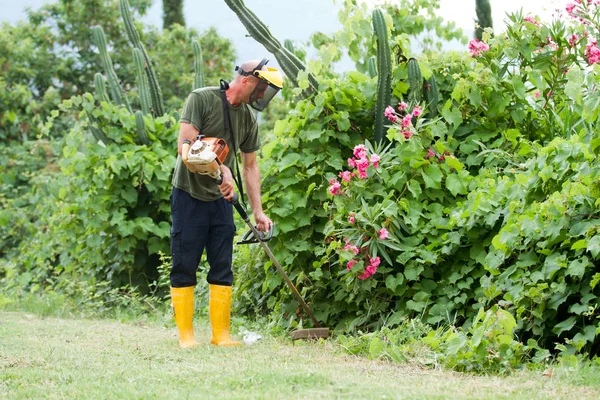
x: 197, y: 225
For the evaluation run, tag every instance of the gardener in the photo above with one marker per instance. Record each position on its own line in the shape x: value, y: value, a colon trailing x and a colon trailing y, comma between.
x: 202, y: 216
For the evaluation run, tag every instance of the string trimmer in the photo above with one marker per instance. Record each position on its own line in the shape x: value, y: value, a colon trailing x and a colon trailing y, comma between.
x: 205, y: 157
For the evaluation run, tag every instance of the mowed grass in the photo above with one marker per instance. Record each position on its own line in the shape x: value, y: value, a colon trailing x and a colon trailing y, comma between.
x: 53, y: 358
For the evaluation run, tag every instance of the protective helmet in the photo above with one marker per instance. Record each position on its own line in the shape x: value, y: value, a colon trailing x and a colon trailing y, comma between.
x: 270, y: 81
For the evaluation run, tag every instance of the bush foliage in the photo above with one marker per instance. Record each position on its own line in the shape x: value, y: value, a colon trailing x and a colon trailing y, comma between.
x: 485, y: 200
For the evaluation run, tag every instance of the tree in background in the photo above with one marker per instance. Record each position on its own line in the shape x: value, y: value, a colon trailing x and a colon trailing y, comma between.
x: 173, y: 13
x: 484, y: 17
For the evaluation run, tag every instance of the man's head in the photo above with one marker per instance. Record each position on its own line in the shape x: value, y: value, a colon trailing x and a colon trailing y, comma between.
x: 259, y: 83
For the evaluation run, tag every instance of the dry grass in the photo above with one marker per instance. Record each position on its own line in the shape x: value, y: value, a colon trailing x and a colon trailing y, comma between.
x: 62, y: 358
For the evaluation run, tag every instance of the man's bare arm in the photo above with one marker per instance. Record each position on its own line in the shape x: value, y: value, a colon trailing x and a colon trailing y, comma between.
x: 252, y: 182
x: 186, y: 131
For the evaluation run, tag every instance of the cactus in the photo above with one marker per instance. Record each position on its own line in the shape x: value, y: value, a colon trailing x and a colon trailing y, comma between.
x: 100, y: 88
x: 140, y: 128
x: 198, y: 65
x: 115, y: 89
x: 142, y: 81
x: 96, y: 132
x: 372, y: 67
x: 384, y: 67
x: 483, y: 9
x: 431, y: 94
x: 289, y: 63
x: 415, y: 81
x: 288, y: 44
x: 134, y: 38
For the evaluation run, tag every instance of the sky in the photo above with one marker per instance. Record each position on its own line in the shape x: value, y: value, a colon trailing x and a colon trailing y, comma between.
x: 297, y: 19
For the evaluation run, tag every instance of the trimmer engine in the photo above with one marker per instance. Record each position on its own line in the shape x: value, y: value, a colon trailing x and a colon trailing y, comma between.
x: 206, y: 155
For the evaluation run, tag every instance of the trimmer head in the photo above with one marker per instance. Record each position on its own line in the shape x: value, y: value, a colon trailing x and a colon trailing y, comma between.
x: 311, y: 333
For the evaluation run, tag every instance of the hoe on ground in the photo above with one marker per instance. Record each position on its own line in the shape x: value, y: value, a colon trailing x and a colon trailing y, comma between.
x: 255, y: 236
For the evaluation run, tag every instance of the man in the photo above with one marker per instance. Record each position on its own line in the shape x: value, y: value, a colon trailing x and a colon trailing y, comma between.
x: 202, y: 216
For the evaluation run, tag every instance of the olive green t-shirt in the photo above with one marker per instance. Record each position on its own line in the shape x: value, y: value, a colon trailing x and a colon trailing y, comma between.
x: 204, y: 110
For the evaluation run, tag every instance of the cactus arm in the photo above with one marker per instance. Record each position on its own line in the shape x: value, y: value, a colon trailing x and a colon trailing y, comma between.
x: 384, y: 67
x: 100, y: 88
x: 289, y: 63
x: 140, y: 128
x: 415, y: 81
x: 134, y: 38
x: 115, y: 89
x: 142, y: 81
x: 198, y: 65
x: 372, y: 67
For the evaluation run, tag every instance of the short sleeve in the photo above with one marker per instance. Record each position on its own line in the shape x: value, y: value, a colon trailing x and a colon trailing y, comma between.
x: 251, y: 142
x: 192, y: 111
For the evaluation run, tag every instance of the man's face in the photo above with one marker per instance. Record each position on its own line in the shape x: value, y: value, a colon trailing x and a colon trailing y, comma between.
x: 255, y: 88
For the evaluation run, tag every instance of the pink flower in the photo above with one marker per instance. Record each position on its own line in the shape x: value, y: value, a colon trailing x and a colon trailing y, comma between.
x: 350, y: 247
x: 536, y: 94
x: 371, y: 269
x: 362, y: 166
x: 402, y: 106
x: 375, y: 261
x: 407, y: 134
x: 390, y: 114
x: 350, y: 264
x: 352, y: 162
x: 363, y: 276
x: 360, y: 151
x: 573, y: 39
x: 531, y: 20
x: 417, y: 111
x: 375, y: 160
x: 335, y: 187
x: 346, y: 176
x: 351, y: 218
x: 476, y: 48
x: 592, y: 52
x: 570, y: 7
x: 407, y: 120
x: 430, y: 153
x: 383, y: 233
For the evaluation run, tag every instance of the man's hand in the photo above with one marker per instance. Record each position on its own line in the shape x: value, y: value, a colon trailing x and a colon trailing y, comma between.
x: 227, y: 187
x: 263, y: 223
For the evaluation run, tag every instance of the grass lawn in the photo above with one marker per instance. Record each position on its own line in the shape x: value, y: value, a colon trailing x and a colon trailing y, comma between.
x: 48, y: 357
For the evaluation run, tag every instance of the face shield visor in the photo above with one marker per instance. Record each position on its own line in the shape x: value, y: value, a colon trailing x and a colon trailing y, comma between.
x: 262, y: 94
x: 269, y: 82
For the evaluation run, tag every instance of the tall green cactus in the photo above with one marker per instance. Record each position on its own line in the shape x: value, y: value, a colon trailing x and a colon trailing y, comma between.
x: 155, y: 92
x: 140, y: 128
x: 372, y: 67
x: 288, y: 44
x: 115, y: 89
x: 432, y: 95
x: 198, y: 65
x: 142, y: 81
x: 384, y: 68
x: 96, y: 132
x: 415, y: 81
x: 100, y: 88
x: 483, y: 9
x: 289, y: 63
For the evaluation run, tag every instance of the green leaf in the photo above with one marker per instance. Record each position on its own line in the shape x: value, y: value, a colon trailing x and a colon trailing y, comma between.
x: 432, y: 176
x: 580, y: 244
x: 593, y: 246
x: 564, y: 326
x: 376, y: 347
x: 454, y: 185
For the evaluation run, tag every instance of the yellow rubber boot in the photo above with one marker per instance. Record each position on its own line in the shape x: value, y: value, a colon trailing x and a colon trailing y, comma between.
x: 183, y: 307
x: 220, y: 315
